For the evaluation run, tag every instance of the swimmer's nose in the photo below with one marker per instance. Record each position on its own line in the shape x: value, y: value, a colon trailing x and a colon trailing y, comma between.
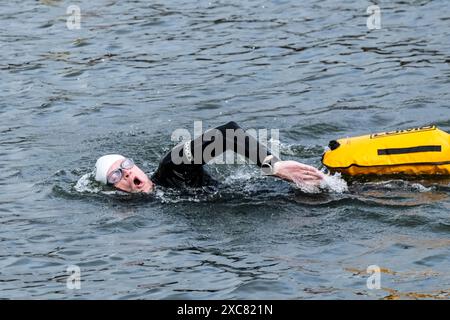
x: 126, y: 173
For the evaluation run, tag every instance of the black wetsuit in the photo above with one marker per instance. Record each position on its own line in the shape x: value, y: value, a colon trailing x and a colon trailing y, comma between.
x: 190, y: 172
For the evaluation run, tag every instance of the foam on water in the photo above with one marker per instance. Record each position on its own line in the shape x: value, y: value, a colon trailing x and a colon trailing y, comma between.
x: 334, y: 183
x: 401, y: 185
x: 331, y: 183
x: 239, y: 175
x: 87, y: 184
x: 421, y: 188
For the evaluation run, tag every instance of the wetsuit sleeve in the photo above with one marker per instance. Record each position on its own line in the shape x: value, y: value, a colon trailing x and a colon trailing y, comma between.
x: 184, y: 164
x: 229, y: 136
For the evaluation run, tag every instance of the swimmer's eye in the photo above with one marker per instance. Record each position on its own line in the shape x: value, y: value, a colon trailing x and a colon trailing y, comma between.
x: 127, y: 164
x: 115, y: 176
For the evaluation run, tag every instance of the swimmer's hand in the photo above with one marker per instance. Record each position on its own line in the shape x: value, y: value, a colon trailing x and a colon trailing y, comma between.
x: 299, y: 173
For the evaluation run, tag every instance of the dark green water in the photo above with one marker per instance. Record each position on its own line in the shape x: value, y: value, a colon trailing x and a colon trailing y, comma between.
x: 137, y: 70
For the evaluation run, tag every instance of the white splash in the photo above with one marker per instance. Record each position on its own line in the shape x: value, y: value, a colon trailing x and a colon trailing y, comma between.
x: 335, y: 183
x: 85, y: 184
x: 240, y: 174
x: 306, y: 188
x: 332, y: 183
x: 421, y: 188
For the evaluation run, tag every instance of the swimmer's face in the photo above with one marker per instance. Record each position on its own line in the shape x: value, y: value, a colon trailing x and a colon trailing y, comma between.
x: 133, y: 180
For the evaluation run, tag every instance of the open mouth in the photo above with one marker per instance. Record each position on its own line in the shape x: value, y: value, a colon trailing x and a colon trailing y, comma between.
x: 137, y: 182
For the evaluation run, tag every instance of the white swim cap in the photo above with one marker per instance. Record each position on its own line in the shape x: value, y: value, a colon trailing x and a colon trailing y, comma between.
x: 103, y: 164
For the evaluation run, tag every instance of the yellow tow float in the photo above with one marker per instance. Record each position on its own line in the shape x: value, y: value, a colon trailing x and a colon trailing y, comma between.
x: 417, y: 151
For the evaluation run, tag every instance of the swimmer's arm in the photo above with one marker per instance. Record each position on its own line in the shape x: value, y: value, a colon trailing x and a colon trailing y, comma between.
x: 249, y: 147
x: 184, y: 162
x: 230, y: 137
x: 243, y: 144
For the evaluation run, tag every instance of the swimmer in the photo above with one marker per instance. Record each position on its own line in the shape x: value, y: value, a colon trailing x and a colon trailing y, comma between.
x: 181, y: 168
